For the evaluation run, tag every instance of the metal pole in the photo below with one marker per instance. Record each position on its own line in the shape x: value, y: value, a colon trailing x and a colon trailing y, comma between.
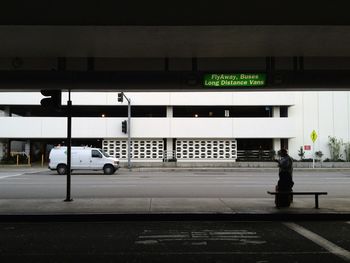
x: 313, y: 155
x: 69, y: 147
x: 129, y: 139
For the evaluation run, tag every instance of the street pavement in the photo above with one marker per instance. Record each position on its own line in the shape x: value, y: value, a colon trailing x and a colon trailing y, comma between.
x: 36, y: 225
x: 40, y: 191
x: 175, y: 241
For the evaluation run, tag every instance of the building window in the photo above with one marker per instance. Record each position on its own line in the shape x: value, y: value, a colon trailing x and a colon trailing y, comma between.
x: 283, y: 111
x: 223, y: 149
x: 140, y: 149
x: 222, y: 111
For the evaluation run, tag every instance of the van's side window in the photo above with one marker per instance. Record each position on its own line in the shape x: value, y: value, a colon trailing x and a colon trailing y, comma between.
x: 96, y: 154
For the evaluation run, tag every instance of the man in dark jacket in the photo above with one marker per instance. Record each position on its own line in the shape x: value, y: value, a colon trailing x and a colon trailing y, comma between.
x: 285, y: 182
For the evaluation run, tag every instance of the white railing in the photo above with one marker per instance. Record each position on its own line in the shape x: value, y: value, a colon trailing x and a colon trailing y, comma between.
x: 254, y: 155
x: 18, y: 153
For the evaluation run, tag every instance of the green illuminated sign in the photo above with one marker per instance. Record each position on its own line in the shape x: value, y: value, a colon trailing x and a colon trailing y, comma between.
x: 235, y: 80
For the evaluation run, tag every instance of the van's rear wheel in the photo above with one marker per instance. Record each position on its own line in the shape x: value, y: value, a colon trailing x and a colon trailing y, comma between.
x: 62, y: 169
x: 108, y: 169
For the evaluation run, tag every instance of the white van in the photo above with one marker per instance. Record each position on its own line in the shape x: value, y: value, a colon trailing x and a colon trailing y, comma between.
x: 83, y: 158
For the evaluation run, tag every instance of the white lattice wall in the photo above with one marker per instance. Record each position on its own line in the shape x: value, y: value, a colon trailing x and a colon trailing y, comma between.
x: 149, y: 149
x: 191, y: 149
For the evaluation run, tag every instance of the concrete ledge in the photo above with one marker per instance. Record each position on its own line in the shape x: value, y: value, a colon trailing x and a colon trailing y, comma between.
x: 203, y: 164
x: 174, y: 217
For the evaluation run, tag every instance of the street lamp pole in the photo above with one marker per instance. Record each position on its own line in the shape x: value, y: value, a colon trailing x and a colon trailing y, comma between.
x: 129, y: 126
x: 121, y: 96
x: 69, y: 148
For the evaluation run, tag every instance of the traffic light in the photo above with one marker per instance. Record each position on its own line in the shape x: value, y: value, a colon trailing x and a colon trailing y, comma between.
x: 120, y: 96
x: 124, y: 126
x: 54, y: 99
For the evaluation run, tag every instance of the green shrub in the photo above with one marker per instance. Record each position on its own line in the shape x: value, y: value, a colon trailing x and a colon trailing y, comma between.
x: 22, y: 159
x: 301, y: 153
x: 8, y: 160
x: 347, y: 151
x: 334, y: 148
x: 319, y: 155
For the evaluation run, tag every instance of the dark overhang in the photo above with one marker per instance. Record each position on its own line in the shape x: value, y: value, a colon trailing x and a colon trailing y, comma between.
x: 173, y: 13
x: 311, y: 80
x: 170, y: 29
x: 173, y: 42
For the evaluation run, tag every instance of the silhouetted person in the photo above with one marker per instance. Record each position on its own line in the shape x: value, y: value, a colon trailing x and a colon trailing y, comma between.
x: 285, y: 182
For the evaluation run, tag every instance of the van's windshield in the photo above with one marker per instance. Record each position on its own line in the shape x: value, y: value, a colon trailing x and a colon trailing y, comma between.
x: 104, y: 153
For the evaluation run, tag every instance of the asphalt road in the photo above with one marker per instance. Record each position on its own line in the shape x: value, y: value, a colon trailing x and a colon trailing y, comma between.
x: 175, y: 241
x: 196, y: 184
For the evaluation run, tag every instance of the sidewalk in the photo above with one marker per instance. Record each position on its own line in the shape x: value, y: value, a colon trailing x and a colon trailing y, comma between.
x: 177, y: 207
x: 250, y: 208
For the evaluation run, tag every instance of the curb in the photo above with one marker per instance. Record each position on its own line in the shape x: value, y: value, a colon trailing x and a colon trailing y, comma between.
x: 189, y: 169
x: 226, y: 169
x: 174, y: 217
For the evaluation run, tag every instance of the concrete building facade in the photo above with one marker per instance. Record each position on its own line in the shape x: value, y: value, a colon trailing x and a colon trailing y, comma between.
x: 186, y: 126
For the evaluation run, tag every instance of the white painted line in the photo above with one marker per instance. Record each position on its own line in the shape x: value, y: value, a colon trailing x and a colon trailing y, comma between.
x: 331, y: 247
x: 12, y: 175
x: 149, y: 237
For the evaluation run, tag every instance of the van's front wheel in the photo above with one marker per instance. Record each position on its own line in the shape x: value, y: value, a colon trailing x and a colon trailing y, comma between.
x: 108, y: 169
x: 62, y: 169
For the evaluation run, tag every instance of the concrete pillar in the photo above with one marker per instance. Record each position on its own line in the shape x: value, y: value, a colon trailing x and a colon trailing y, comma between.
x: 5, y: 112
x: 169, y: 147
x: 27, y: 147
x: 169, y: 141
x: 276, y: 112
x: 2, y: 150
x: 169, y: 144
x: 276, y: 141
x: 276, y: 144
x: 169, y: 111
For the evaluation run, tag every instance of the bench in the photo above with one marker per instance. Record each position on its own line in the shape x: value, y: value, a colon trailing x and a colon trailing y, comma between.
x: 316, y: 194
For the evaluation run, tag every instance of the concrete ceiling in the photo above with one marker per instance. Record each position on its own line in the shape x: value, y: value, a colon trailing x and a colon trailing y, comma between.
x: 174, y: 41
x: 173, y: 12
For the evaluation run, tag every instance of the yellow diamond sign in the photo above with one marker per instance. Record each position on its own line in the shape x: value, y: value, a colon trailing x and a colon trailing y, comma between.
x: 313, y: 136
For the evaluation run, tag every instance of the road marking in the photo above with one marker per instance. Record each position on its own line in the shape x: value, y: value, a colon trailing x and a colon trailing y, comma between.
x: 242, y: 237
x: 331, y: 247
x: 12, y: 175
